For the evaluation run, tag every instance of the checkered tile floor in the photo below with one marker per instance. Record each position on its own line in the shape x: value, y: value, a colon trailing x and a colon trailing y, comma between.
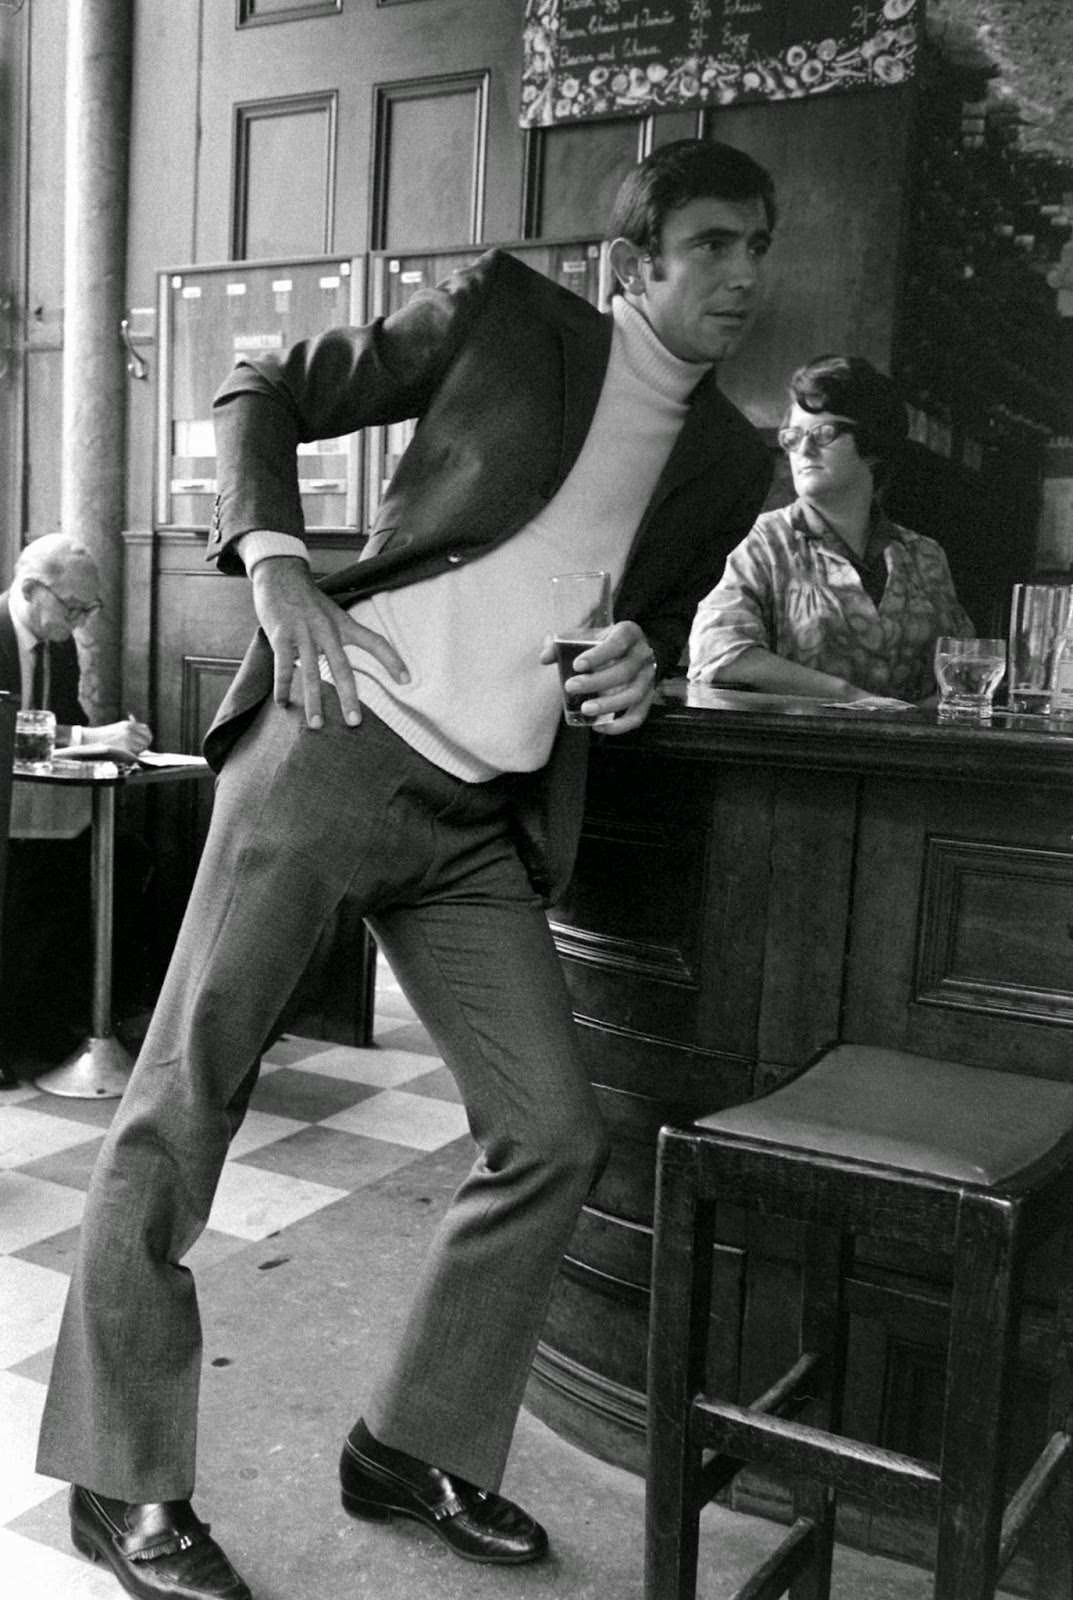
x: 324, y: 1121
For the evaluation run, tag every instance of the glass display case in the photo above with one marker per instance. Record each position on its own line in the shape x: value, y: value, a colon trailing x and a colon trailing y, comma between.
x: 578, y: 264
x: 211, y: 316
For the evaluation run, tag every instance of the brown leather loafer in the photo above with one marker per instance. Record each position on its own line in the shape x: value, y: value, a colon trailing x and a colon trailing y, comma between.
x: 157, y: 1552
x: 379, y: 1482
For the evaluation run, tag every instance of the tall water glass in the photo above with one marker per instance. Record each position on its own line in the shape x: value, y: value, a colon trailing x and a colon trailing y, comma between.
x: 581, y: 614
x: 1037, y: 622
x: 968, y: 671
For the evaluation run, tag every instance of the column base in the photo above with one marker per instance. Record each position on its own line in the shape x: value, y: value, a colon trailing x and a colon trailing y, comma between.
x: 98, y: 1070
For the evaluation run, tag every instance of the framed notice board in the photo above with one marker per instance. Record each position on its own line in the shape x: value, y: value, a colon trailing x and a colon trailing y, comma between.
x: 602, y: 58
x: 578, y: 264
x: 208, y: 318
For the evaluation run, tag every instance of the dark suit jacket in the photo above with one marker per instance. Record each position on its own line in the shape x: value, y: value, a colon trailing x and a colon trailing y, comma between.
x: 504, y: 369
x: 63, y: 670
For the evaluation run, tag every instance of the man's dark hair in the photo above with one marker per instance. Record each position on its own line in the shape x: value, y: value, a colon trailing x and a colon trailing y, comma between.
x: 675, y: 174
x: 852, y: 387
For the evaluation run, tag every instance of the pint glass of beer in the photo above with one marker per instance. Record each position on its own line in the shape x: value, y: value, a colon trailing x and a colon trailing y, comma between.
x: 581, y: 614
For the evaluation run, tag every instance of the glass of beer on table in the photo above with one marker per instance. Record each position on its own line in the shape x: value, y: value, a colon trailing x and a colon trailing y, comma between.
x: 581, y: 615
x: 35, y: 740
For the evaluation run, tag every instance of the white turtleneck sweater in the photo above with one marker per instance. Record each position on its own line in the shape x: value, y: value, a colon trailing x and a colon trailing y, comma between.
x: 479, y: 702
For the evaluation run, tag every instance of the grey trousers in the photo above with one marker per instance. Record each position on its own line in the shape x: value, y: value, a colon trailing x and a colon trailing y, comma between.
x: 302, y: 818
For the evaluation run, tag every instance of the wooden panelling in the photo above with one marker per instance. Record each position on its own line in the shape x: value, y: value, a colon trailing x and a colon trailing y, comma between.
x: 14, y: 55
x: 997, y: 929
x: 572, y: 174
x: 44, y: 411
x: 429, y: 161
x: 205, y: 680
x: 839, y: 176
x: 284, y: 176
x: 973, y: 918
x: 807, y: 923
x: 643, y: 940
x: 664, y: 943
x: 251, y: 12
x: 137, y: 673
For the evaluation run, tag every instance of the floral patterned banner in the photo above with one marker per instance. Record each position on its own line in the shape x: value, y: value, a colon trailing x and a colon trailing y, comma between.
x: 603, y: 58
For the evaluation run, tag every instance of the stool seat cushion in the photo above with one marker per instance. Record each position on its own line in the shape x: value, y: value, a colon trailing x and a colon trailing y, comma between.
x: 864, y: 1103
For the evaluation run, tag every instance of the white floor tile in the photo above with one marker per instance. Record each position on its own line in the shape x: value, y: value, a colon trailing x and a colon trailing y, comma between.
x: 32, y: 1298
x: 291, y: 1047
x: 211, y: 1247
x: 33, y: 1571
x: 260, y: 1128
x: 28, y: 1135
x: 15, y: 1097
x: 32, y: 1209
x: 21, y: 1404
x: 382, y: 1069
x: 253, y: 1203
x: 415, y: 1120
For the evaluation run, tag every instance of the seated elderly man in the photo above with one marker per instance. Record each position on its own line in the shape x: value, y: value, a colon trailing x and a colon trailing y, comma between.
x: 45, y: 940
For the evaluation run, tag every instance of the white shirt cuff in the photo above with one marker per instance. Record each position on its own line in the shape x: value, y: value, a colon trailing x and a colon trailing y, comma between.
x: 263, y: 543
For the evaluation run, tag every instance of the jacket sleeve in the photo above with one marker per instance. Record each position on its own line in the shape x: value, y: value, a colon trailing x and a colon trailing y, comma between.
x: 323, y: 388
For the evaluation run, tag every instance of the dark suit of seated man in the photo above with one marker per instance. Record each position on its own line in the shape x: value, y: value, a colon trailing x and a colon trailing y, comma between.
x: 45, y: 972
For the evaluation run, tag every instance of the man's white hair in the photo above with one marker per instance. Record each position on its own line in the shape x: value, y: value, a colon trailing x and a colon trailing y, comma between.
x: 49, y: 556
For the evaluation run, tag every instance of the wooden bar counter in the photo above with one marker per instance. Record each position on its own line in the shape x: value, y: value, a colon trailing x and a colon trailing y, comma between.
x: 758, y: 878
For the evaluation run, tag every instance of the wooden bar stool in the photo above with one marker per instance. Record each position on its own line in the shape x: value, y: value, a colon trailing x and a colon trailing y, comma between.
x: 895, y: 1147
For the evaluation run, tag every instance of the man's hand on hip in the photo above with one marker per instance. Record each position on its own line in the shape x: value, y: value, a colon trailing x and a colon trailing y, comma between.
x: 302, y: 624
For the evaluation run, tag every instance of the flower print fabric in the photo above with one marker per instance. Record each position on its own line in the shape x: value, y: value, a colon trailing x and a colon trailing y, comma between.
x: 799, y: 594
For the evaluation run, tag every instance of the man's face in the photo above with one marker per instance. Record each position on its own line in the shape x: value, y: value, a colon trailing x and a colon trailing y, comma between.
x: 57, y: 607
x: 701, y: 292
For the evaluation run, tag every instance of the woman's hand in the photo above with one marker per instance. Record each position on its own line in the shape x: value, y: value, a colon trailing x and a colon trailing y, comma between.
x: 617, y: 675
x: 302, y: 624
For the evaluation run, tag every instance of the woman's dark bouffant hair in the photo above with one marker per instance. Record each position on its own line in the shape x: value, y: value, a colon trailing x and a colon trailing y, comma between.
x: 852, y: 387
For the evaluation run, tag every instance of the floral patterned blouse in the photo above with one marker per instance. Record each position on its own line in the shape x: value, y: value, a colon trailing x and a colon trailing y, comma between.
x: 801, y: 595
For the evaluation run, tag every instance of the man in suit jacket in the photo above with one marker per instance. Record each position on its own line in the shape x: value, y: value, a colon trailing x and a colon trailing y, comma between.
x: 395, y: 734
x: 44, y: 948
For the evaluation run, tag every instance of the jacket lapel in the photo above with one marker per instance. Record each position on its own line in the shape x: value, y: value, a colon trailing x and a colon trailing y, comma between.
x: 586, y: 346
x: 700, y: 446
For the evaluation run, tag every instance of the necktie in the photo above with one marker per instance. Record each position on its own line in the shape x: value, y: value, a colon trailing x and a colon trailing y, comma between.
x: 39, y: 689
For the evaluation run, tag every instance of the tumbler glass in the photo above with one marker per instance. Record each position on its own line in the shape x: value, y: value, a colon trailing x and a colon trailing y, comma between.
x: 968, y: 672
x: 35, y: 739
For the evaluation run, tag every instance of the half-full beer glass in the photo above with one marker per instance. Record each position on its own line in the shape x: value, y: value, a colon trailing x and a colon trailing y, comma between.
x: 35, y: 739
x: 581, y: 614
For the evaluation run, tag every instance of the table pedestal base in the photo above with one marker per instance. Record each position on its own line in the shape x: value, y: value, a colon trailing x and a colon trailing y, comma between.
x: 98, y: 1070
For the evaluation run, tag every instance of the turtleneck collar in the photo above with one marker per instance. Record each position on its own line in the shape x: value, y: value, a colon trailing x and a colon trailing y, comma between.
x: 648, y: 357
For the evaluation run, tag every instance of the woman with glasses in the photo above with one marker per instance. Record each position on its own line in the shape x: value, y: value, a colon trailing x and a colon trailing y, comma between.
x: 828, y: 597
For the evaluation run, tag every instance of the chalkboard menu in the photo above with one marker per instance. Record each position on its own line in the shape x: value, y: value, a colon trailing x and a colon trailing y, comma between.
x: 602, y: 58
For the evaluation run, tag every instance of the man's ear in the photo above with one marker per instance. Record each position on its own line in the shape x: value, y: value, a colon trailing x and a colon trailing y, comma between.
x: 627, y: 263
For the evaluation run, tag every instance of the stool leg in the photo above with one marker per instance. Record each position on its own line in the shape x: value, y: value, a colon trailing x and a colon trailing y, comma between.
x: 980, y: 1368
x: 1054, y: 1527
x: 823, y: 1328
x: 681, y: 1301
